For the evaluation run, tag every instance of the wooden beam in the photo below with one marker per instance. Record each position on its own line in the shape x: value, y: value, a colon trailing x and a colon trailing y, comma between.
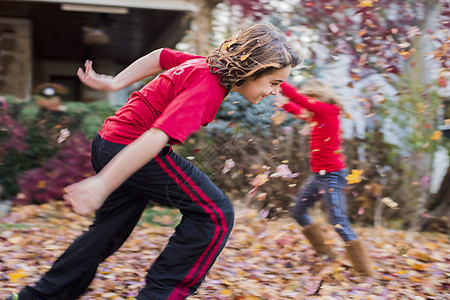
x: 178, y: 5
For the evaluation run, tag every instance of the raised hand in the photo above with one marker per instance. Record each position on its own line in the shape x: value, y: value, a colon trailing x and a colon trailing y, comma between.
x: 280, y: 100
x: 96, y: 81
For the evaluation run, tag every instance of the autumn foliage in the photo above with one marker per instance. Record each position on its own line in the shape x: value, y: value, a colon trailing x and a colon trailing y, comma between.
x: 69, y: 165
x: 264, y: 259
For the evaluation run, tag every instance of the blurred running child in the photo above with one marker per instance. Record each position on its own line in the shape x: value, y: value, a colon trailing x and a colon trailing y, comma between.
x: 320, y: 107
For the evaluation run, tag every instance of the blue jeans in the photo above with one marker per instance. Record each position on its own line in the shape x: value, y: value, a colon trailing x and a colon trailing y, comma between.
x: 329, y: 186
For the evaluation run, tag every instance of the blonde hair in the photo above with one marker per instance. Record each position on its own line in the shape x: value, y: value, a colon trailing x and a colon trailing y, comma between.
x: 321, y: 91
x: 251, y: 53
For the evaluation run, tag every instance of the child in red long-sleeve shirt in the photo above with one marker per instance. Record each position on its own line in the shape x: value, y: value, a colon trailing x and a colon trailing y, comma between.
x: 134, y: 163
x: 317, y: 104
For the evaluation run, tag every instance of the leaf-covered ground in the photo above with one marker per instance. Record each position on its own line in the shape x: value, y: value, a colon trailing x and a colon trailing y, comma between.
x: 264, y: 259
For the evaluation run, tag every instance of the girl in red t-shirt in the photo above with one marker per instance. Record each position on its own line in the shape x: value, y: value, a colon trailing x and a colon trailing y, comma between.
x: 319, y: 106
x: 134, y: 163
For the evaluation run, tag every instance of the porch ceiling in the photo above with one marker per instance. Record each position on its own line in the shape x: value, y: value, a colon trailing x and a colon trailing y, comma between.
x: 58, y: 34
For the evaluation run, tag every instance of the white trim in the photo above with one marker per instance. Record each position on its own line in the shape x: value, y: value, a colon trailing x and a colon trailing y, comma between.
x: 95, y: 8
x: 178, y: 5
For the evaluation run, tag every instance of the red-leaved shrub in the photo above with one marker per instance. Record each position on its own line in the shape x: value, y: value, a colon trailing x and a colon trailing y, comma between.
x: 71, y: 164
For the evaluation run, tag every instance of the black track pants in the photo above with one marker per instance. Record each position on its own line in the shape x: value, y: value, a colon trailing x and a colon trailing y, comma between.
x: 179, y: 270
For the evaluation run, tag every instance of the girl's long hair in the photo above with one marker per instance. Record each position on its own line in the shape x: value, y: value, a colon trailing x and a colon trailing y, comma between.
x: 251, y: 53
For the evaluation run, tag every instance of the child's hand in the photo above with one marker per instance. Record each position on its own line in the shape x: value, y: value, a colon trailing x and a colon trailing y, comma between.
x: 306, y: 115
x: 281, y: 100
x: 86, y: 196
x: 96, y: 81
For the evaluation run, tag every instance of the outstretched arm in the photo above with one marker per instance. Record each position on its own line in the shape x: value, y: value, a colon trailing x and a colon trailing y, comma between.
x: 89, y: 194
x: 291, y: 107
x: 141, y: 68
x: 308, y: 103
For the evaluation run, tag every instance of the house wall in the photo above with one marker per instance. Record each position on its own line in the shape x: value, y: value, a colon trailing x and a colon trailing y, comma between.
x: 15, y: 57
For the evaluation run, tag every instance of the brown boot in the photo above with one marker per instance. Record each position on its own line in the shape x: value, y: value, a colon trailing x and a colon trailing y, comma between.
x: 314, y: 234
x: 361, y: 262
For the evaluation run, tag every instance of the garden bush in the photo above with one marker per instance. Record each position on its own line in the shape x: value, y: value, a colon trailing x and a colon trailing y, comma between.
x: 43, y: 148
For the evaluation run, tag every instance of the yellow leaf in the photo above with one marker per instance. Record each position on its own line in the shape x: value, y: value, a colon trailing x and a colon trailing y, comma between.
x: 245, y: 56
x: 366, y: 3
x: 415, y: 264
x: 431, y: 245
x: 362, y: 31
x: 41, y: 184
x: 415, y: 279
x: 436, y: 135
x: 354, y: 177
x: 14, y: 277
x: 227, y: 44
x: 420, y: 255
x: 404, y: 53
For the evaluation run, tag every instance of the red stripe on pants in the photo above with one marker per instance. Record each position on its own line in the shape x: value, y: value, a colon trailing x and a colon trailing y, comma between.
x: 211, y: 208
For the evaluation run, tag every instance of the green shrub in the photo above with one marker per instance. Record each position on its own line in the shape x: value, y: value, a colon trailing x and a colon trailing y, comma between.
x: 31, y: 142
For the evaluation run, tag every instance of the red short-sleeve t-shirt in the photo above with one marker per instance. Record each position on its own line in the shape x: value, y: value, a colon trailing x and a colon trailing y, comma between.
x: 180, y: 100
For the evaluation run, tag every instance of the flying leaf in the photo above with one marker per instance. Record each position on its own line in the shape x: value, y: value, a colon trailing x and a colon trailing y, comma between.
x: 245, y: 56
x: 228, y: 44
x: 278, y: 117
x: 333, y: 27
x: 354, y: 177
x: 229, y: 164
x: 359, y: 47
x: 436, y: 135
x: 362, y: 31
x: 260, y: 179
x: 366, y: 3
x: 389, y: 202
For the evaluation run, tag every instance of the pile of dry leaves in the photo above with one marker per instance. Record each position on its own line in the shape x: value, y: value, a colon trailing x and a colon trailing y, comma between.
x: 264, y: 259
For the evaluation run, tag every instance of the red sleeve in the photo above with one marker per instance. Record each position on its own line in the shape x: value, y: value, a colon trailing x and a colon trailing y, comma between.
x: 310, y: 104
x: 296, y: 109
x: 292, y: 108
x: 197, y: 105
x: 170, y: 58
